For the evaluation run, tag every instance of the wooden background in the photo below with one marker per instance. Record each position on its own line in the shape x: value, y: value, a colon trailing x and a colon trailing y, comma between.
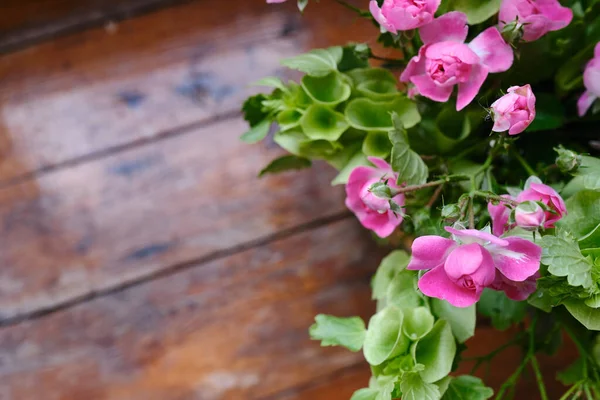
x: 140, y: 258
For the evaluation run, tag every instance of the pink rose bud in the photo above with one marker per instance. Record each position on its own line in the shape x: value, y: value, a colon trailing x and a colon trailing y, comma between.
x: 403, y: 15
x: 529, y: 215
x: 534, y: 17
x: 460, y: 268
x: 514, y: 111
x: 374, y: 212
x: 445, y: 60
x: 591, y: 81
x: 500, y: 214
x: 537, y: 191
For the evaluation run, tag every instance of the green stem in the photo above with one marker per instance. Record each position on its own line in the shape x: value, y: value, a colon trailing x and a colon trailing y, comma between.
x: 538, y: 377
x: 524, y: 163
x: 471, y: 214
x: 569, y: 392
x: 447, y: 179
x: 491, y: 196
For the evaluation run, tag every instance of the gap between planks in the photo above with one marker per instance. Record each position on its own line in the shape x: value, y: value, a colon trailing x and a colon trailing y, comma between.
x: 173, y: 269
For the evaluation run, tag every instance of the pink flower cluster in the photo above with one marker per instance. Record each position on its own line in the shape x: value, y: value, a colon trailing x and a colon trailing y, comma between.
x: 446, y: 61
x: 591, y: 80
x: 529, y: 214
x: 534, y: 17
x: 514, y: 111
x: 461, y: 267
x: 373, y: 212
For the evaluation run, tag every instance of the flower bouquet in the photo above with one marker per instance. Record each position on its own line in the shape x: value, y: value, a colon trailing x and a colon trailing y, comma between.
x: 478, y: 142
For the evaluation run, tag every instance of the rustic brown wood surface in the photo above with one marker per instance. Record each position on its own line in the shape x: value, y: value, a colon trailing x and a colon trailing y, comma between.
x: 141, y: 258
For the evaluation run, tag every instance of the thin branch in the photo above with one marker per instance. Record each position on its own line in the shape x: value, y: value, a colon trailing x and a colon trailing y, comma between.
x: 435, y: 196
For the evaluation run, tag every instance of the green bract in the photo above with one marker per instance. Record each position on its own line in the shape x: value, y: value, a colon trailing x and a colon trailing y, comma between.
x: 384, y: 338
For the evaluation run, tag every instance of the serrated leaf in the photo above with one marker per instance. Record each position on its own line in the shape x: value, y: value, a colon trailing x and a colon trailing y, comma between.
x: 285, y: 163
x: 583, y: 219
x: 462, y: 320
x: 391, y: 265
x: 503, y: 311
x: 414, y: 388
x: 436, y: 352
x: 257, y: 133
x: 408, y: 164
x: 336, y: 331
x: 564, y: 258
x: 318, y: 62
x: 467, y: 387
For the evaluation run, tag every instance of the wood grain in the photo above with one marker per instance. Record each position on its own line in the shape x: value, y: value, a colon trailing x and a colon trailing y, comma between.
x: 86, y: 95
x: 232, y: 328
x: 107, y: 223
x: 23, y: 23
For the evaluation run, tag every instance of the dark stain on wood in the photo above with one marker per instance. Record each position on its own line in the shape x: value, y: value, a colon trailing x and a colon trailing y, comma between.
x: 201, y: 85
x: 132, y: 98
x: 148, y: 251
x: 129, y: 168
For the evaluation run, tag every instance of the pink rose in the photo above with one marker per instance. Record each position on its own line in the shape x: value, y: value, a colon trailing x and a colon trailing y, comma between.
x: 514, y: 111
x: 403, y: 15
x: 545, y: 194
x: 518, y: 291
x: 535, y: 17
x: 445, y: 60
x: 529, y: 215
x: 591, y: 81
x: 500, y: 214
x: 373, y: 212
x: 460, y: 268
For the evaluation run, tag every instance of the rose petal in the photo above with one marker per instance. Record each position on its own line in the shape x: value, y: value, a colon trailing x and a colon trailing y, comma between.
x: 429, y: 252
x: 493, y: 51
x: 585, y: 102
x: 451, y: 26
x: 469, y: 89
x: 519, y: 260
x: 471, y: 260
x: 468, y: 236
x: 436, y: 283
x: 452, y: 49
x: 429, y: 89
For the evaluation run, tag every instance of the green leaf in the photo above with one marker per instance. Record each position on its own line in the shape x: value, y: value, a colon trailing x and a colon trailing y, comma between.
x: 302, y: 5
x: 377, y: 144
x: 253, y: 109
x: 409, y: 165
x: 436, y: 352
x: 563, y: 258
x: 320, y: 122
x: 291, y: 140
x: 285, y: 163
x: 384, y: 338
x: 572, y: 374
x: 335, y: 331
x: 467, y: 387
x: 418, y: 322
x: 369, y: 115
x: 357, y: 160
x: 257, y: 132
x: 461, y: 320
x: 477, y: 11
x: 288, y: 119
x: 443, y: 384
x: 329, y: 90
x: 503, y: 311
x: 355, y: 55
x: 318, y: 62
x: 271, y: 81
x: 402, y: 291
x: 362, y: 75
x: 583, y: 219
x: 365, y: 394
x: 589, y: 317
x: 414, y: 388
x: 389, y: 267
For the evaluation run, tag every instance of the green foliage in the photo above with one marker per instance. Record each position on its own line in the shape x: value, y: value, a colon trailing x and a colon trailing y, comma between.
x: 461, y: 320
x: 253, y: 109
x: 588, y: 316
x: 477, y: 11
x: 257, y: 133
x: 335, y: 331
x: 318, y: 62
x: 467, y: 387
x: 391, y: 265
x: 369, y: 115
x: 503, y: 311
x: 413, y: 387
x: 563, y: 258
x: 384, y: 337
x: 549, y: 113
x: 285, y: 163
x: 411, y: 169
x: 418, y: 322
x: 330, y: 90
x: 320, y: 122
x: 436, y: 352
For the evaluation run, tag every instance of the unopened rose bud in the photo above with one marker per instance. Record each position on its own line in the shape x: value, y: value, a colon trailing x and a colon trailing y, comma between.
x: 512, y: 32
x: 529, y: 215
x: 451, y: 212
x: 377, y: 197
x: 514, y: 111
x: 567, y: 160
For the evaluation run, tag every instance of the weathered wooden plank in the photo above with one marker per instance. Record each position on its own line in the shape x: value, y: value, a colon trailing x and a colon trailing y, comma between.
x: 106, y: 223
x: 90, y: 93
x: 232, y: 328
x: 23, y: 23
